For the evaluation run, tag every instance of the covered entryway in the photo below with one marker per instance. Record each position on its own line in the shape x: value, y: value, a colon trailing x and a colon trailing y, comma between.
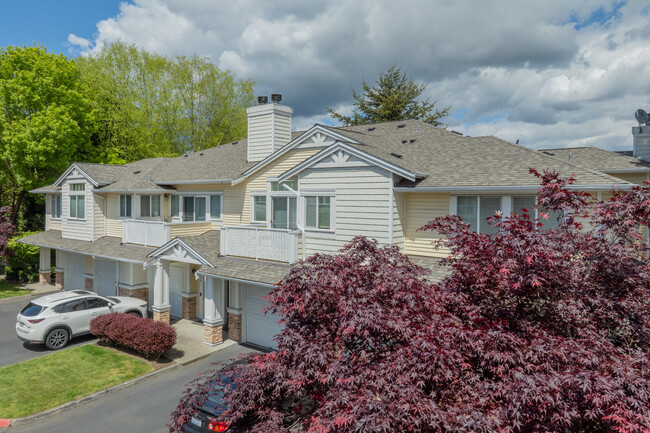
x: 176, y: 289
x: 106, y: 277
x: 260, y: 327
x: 75, y: 278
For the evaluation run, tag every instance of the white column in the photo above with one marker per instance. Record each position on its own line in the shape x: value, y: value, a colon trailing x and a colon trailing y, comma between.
x: 213, y: 304
x: 161, y: 287
x: 45, y: 260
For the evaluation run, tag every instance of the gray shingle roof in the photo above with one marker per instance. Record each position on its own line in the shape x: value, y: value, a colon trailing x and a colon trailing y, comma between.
x: 106, y: 247
x: 103, y: 173
x: 599, y: 159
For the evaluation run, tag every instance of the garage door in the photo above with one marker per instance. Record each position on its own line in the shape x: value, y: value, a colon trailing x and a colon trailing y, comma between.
x: 74, y: 278
x: 260, y: 327
x: 175, y: 287
x: 106, y: 283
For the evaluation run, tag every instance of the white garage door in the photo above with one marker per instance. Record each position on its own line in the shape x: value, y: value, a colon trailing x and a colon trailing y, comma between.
x: 106, y: 283
x: 260, y: 327
x: 74, y: 277
x: 175, y: 287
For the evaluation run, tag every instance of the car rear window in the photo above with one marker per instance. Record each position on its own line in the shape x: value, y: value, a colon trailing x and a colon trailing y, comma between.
x: 32, y: 310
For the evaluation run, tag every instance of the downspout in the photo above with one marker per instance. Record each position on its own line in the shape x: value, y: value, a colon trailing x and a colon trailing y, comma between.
x: 302, y: 230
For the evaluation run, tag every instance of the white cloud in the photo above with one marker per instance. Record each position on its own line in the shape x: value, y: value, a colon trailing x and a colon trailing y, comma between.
x: 553, y: 73
x: 80, y: 42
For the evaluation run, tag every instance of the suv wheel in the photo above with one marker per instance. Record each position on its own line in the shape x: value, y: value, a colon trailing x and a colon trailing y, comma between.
x: 56, y: 339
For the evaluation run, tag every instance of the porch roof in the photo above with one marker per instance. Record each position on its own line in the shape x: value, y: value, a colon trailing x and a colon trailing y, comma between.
x: 247, y: 270
x: 109, y: 247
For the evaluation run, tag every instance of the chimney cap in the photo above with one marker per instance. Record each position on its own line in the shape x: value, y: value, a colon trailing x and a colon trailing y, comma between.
x: 262, y: 100
x: 276, y: 97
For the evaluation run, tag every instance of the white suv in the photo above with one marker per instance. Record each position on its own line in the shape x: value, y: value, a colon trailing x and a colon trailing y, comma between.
x: 54, y: 319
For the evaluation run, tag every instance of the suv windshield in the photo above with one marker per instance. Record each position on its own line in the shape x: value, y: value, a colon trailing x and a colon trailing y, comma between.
x: 113, y: 300
x: 32, y: 310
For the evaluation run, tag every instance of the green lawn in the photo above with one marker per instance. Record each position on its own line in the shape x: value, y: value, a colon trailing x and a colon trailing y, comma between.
x: 36, y: 385
x: 8, y: 290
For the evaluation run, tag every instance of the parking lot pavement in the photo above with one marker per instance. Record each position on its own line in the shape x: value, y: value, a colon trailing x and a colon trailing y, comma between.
x: 13, y: 350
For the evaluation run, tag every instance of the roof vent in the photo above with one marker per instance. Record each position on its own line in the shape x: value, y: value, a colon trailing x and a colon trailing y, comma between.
x: 456, y: 132
x: 235, y: 142
x: 136, y: 172
x: 276, y: 97
x: 372, y: 128
x: 412, y: 140
x: 404, y: 141
x: 548, y: 153
x: 262, y: 100
x: 201, y: 154
x: 396, y: 155
x: 401, y: 125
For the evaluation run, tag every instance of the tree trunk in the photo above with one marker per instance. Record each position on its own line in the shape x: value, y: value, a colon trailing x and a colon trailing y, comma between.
x: 16, y: 207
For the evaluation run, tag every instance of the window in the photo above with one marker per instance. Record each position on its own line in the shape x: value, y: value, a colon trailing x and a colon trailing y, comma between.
x: 56, y: 206
x: 149, y: 206
x: 175, y: 208
x: 126, y: 206
x: 475, y: 210
x: 215, y: 207
x: 77, y: 200
x: 194, y: 208
x: 467, y: 209
x: 259, y: 208
x: 68, y: 307
x: 317, y: 212
x: 293, y: 184
x: 524, y: 202
x: 96, y: 303
x: 529, y: 203
x: 283, y: 213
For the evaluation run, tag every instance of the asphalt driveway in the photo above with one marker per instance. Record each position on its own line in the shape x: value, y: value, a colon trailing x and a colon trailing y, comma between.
x: 12, y: 350
x: 142, y: 408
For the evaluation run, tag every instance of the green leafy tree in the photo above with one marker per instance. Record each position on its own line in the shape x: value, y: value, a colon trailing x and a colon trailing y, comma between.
x: 152, y: 105
x: 46, y: 121
x: 393, y: 97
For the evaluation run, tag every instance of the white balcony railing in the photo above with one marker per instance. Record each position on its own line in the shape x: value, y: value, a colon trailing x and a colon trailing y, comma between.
x: 147, y: 233
x: 260, y: 243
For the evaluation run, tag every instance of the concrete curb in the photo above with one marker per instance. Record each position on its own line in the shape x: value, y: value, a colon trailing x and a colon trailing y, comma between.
x: 92, y: 397
x: 29, y: 296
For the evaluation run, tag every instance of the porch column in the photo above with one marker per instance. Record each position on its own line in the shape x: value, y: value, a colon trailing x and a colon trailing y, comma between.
x: 161, y: 292
x: 213, y: 305
x: 234, y: 311
x: 59, y: 270
x: 45, y: 267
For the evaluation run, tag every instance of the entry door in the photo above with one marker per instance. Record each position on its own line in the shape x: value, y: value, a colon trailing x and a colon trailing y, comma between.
x: 283, y: 212
x: 175, y: 290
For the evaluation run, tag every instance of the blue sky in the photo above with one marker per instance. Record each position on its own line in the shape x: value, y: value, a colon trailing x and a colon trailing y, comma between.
x: 49, y: 22
x: 557, y: 73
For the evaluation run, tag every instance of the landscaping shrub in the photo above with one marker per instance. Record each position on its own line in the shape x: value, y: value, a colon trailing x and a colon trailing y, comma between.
x: 22, y: 260
x: 145, y: 336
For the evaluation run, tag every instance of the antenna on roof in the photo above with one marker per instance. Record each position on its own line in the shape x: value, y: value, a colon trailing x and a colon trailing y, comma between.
x: 570, y: 157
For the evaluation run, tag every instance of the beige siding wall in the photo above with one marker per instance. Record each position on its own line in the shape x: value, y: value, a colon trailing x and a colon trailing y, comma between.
x: 189, y: 229
x: 362, y: 205
x: 398, y: 219
x: 637, y: 178
x: 420, y: 208
x: 113, y: 224
x: 81, y: 229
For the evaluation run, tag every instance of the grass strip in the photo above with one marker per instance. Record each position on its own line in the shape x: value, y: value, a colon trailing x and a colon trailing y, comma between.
x: 39, y: 384
x: 9, y: 290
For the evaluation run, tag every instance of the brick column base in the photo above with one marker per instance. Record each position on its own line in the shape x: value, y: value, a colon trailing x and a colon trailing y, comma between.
x: 161, y: 316
x: 234, y: 326
x: 212, y: 335
x: 189, y: 308
x: 59, y: 279
x: 140, y: 293
x: 90, y: 284
x: 45, y: 278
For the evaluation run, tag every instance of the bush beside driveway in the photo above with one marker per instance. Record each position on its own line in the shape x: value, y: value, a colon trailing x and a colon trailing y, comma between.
x: 36, y: 385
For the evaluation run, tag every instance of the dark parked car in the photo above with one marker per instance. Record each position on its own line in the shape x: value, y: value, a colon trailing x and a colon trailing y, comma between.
x: 208, y: 419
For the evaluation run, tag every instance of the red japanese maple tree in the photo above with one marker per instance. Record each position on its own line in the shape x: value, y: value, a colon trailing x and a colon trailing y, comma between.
x: 533, y: 330
x: 7, y: 230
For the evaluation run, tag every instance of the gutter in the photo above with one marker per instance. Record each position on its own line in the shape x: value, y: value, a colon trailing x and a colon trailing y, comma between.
x: 520, y: 188
x: 67, y: 250
x: 239, y: 280
x: 188, y: 182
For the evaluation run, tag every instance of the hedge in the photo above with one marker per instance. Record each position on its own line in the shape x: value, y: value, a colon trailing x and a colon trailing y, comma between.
x: 145, y: 336
x: 23, y: 261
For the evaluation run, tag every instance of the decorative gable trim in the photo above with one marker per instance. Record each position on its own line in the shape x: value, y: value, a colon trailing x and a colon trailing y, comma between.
x: 344, y: 155
x: 177, y: 249
x: 315, y: 137
x: 74, y: 168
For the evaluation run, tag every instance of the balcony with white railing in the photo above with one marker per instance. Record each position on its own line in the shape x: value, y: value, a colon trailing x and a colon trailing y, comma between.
x: 147, y: 233
x: 260, y: 243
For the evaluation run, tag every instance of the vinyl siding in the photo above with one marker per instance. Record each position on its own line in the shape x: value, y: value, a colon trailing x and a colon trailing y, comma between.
x: 259, y: 137
x: 191, y: 229
x: 398, y: 219
x: 76, y: 228
x: 420, y: 208
x: 99, y: 219
x: 637, y: 178
x: 50, y: 224
x: 113, y: 224
x: 361, y: 205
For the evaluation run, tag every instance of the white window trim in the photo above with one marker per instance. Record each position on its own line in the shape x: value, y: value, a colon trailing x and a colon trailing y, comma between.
x: 271, y: 194
x: 181, y: 206
x: 209, y: 206
x: 76, y: 193
x: 318, y: 193
x: 254, y: 194
x: 119, y: 207
x: 52, y: 205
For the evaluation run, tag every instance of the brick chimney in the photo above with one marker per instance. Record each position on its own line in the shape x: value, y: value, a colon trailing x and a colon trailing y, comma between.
x: 269, y: 128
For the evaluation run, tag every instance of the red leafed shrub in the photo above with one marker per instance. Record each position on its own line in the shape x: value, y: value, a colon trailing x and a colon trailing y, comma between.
x: 145, y: 336
x: 533, y: 330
